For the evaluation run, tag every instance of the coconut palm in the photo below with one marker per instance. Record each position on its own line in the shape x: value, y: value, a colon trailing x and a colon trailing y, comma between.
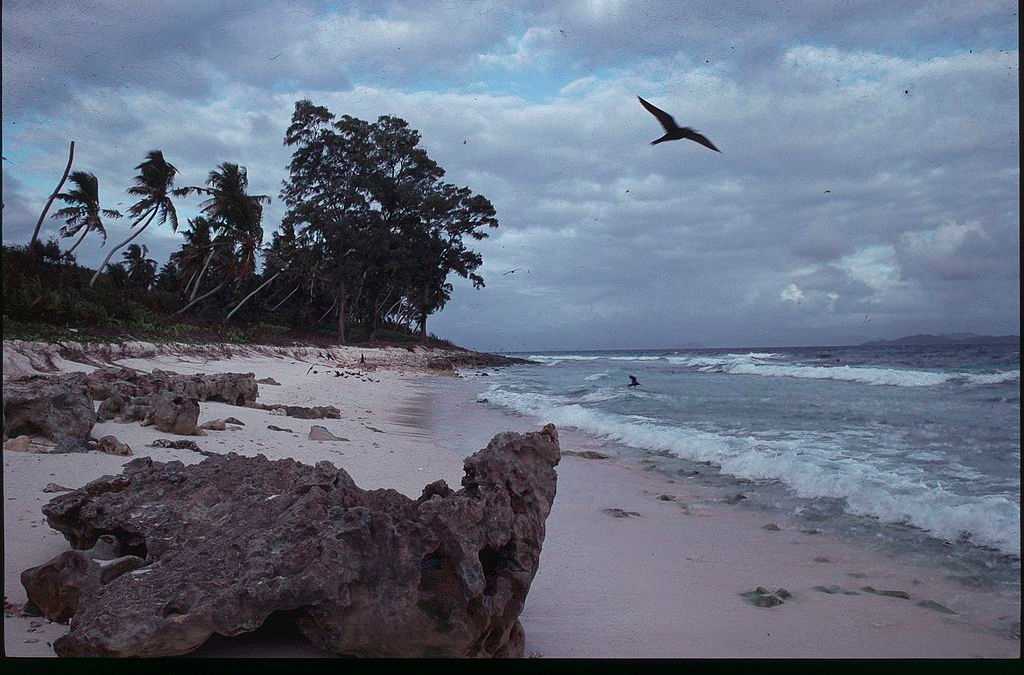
x: 141, y: 268
x: 154, y: 185
x: 83, y: 212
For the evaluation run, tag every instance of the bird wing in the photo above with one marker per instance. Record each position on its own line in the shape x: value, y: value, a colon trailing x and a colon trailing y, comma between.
x: 698, y: 138
x: 666, y: 120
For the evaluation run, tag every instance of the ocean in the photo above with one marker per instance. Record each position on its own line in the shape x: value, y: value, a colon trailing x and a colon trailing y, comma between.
x: 912, y: 450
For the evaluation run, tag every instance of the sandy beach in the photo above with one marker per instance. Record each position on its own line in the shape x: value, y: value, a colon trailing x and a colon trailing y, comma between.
x: 664, y: 581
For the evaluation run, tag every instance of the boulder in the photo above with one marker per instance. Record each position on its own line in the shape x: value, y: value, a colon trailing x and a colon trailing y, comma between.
x: 57, y: 586
x: 175, y: 414
x: 58, y: 408
x: 231, y: 540
x: 112, y: 446
x: 233, y: 388
x: 110, y: 408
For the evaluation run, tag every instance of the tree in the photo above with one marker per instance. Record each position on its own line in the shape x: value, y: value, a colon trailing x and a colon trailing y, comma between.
x: 237, y: 217
x: 141, y: 270
x: 372, y: 204
x: 83, y: 213
x: 53, y: 195
x: 154, y: 186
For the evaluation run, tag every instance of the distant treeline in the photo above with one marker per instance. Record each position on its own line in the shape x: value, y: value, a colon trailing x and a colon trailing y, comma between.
x: 370, y: 235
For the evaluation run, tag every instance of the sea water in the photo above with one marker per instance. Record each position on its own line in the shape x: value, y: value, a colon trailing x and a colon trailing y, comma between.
x: 913, y: 449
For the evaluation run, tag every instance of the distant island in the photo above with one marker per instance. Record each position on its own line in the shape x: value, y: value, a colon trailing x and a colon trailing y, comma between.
x: 951, y: 339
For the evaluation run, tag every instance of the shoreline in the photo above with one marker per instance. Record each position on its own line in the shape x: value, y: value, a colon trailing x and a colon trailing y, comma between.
x: 664, y: 583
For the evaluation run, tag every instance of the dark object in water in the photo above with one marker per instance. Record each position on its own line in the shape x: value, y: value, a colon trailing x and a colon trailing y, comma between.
x: 674, y: 132
x: 633, y: 381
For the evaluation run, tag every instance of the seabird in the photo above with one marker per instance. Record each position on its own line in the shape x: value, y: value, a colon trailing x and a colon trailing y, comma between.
x: 510, y: 272
x: 674, y: 132
x: 633, y: 382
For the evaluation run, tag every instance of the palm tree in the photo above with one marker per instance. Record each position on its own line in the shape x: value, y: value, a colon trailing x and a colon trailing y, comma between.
x: 238, y: 217
x: 154, y: 185
x: 138, y: 264
x: 83, y: 211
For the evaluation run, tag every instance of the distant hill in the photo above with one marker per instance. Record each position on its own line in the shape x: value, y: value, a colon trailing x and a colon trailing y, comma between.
x: 951, y: 339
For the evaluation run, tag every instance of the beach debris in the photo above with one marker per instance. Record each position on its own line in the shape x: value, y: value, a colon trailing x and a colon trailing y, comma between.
x: 54, y: 487
x: 585, y: 454
x: 889, y: 594
x: 812, y: 530
x: 32, y: 444
x: 735, y: 499
x: 821, y: 559
x: 234, y: 420
x: 666, y: 498
x: 931, y: 604
x: 176, y: 445
x: 276, y: 428
x: 485, y: 400
x: 762, y: 597
x: 373, y: 429
x: 835, y: 589
x: 316, y: 412
x: 318, y: 433
x: 771, y: 527
x: 214, y: 425
x: 448, y: 572
x: 175, y: 414
x: 268, y: 380
x: 857, y: 575
x: 54, y: 407
x: 620, y: 513
x: 56, y: 587
x: 112, y: 446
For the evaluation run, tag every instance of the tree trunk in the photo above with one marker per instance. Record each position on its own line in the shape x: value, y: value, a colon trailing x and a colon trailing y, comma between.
x: 202, y: 272
x: 72, y: 249
x: 246, y: 298
x: 274, y: 308
x: 110, y: 254
x: 188, y: 284
x: 341, y: 312
x: 423, y: 317
x: 67, y: 169
x: 201, y: 297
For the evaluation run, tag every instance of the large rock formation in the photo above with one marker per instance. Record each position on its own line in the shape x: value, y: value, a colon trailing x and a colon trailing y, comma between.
x: 234, y: 388
x: 233, y: 539
x: 58, y: 408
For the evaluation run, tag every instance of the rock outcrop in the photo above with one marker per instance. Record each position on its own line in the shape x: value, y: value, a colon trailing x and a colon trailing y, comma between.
x: 58, y: 408
x: 231, y: 540
x: 233, y: 388
x: 174, y: 414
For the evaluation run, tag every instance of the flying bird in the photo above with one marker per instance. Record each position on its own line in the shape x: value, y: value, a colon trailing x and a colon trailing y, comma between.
x: 632, y: 379
x: 510, y: 272
x: 674, y: 132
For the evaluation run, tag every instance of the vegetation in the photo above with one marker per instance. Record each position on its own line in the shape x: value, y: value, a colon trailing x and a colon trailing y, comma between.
x: 369, y: 238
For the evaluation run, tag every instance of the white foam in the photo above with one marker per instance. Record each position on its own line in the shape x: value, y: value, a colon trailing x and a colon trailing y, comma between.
x: 872, y: 483
x: 595, y: 376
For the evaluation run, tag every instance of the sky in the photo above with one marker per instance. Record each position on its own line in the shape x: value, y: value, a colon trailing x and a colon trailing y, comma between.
x: 867, y: 186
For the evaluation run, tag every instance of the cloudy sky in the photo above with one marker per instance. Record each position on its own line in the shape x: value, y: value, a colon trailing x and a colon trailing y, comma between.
x: 867, y: 186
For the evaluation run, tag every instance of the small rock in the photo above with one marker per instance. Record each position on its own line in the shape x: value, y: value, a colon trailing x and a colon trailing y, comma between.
x: 379, y: 431
x: 931, y: 604
x: 53, y: 487
x: 318, y: 433
x: 276, y: 428
x: 735, y: 499
x: 903, y: 595
x: 234, y: 420
x: 666, y: 498
x: 783, y: 593
x: 19, y: 444
x: 767, y: 601
x: 111, y: 446
x: 771, y: 527
x: 619, y: 513
x: 831, y: 590
x: 811, y: 530
x: 214, y: 425
x: 176, y: 445
x: 268, y: 380
x: 822, y: 559
x: 585, y: 454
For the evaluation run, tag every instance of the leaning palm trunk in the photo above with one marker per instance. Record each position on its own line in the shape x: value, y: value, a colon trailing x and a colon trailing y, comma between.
x: 67, y: 169
x: 85, y: 231
x: 206, y: 264
x: 110, y: 254
x: 246, y: 298
x: 274, y: 308
x: 202, y: 297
